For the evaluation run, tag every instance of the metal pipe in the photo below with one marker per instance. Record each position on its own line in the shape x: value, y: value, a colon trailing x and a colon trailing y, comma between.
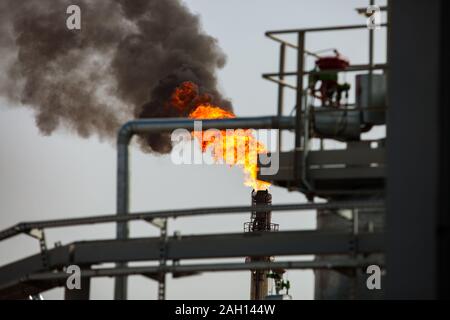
x: 148, y: 216
x: 299, y: 100
x: 290, y: 45
x: 279, y: 82
x: 335, y: 28
x: 287, y: 43
x: 161, y: 125
x: 351, y: 68
x: 281, y: 90
x: 306, y: 146
x: 113, y: 272
x: 371, y: 45
x: 123, y: 206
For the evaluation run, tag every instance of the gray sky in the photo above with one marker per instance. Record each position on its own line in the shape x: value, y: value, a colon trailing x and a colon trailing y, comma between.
x: 65, y: 176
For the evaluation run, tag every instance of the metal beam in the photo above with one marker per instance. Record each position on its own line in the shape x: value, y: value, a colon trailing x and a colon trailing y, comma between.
x: 193, y: 247
x: 352, y: 68
x: 35, y: 283
x: 298, y: 102
x: 24, y: 227
x: 223, y: 246
x: 279, y: 82
x: 210, y: 267
x: 321, y: 29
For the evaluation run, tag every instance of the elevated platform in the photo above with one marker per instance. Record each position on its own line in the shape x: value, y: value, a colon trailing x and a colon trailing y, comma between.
x: 357, y: 170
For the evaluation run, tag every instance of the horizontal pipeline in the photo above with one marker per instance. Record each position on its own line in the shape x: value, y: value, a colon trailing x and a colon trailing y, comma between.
x: 27, y: 226
x: 191, y: 268
x: 321, y: 29
x: 168, y: 124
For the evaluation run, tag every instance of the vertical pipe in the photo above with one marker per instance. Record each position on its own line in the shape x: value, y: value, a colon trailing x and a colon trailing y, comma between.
x: 260, y: 222
x: 120, y: 289
x: 306, y: 146
x: 388, y: 27
x: 371, y: 41
x: 281, y: 90
x: 388, y: 41
x: 298, y: 102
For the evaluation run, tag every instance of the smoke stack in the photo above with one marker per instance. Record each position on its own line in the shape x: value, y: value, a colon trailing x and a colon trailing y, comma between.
x: 260, y: 222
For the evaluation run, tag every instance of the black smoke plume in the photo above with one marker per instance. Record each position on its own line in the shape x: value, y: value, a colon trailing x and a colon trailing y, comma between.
x: 124, y: 63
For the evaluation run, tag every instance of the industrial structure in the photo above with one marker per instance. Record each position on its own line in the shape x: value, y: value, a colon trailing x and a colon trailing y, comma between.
x: 356, y: 173
x: 261, y: 221
x: 372, y: 214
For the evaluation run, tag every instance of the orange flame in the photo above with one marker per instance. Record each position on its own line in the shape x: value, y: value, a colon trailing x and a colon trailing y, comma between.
x: 233, y: 147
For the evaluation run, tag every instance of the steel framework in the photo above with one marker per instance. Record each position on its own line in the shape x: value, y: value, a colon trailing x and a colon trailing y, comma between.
x: 44, y: 271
